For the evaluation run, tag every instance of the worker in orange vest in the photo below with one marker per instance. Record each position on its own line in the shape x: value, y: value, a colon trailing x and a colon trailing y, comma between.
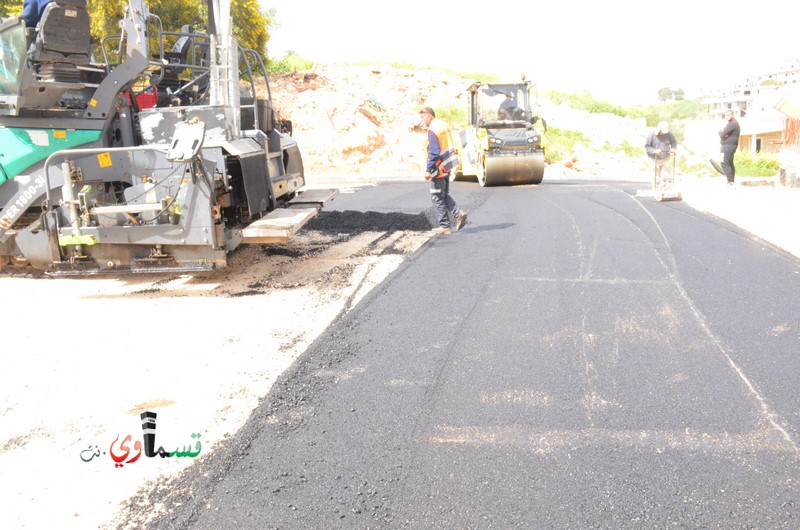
x: 442, y: 159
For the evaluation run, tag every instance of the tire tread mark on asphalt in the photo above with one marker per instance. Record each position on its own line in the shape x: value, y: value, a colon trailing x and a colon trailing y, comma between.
x: 771, y: 416
x: 671, y: 269
x: 584, y: 273
x: 423, y: 423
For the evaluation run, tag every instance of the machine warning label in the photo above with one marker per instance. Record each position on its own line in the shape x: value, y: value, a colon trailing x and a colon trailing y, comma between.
x: 104, y: 159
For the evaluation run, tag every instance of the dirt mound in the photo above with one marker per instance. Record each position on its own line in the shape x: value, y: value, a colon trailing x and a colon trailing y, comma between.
x: 357, y: 119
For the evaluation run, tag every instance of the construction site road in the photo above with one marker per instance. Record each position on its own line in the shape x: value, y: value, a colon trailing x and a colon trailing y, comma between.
x: 578, y: 355
x: 87, y: 356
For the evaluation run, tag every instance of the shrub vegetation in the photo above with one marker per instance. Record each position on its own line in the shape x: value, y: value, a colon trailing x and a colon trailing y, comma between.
x: 561, y: 143
x: 290, y: 63
x: 585, y: 101
x: 748, y: 165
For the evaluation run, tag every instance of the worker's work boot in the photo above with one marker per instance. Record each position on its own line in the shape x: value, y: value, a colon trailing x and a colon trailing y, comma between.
x: 444, y: 230
x: 461, y: 220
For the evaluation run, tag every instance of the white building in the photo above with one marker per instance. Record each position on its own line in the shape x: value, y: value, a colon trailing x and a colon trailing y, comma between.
x: 753, y: 103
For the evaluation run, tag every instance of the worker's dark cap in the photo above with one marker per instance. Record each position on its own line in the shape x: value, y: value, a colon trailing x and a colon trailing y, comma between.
x: 428, y: 110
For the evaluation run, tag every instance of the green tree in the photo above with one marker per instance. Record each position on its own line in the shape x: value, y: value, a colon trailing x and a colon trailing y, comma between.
x: 104, y: 16
x: 175, y: 14
x: 250, y: 23
x: 9, y: 8
x: 664, y: 94
x: 678, y: 94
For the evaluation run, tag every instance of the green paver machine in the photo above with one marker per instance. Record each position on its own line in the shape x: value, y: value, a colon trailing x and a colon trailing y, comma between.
x: 163, y: 155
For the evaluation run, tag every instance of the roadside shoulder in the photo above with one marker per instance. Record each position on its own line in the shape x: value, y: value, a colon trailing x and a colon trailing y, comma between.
x: 770, y: 212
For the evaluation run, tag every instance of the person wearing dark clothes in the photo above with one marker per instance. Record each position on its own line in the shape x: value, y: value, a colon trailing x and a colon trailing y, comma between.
x: 507, y: 106
x: 660, y: 145
x: 32, y: 11
x: 729, y: 142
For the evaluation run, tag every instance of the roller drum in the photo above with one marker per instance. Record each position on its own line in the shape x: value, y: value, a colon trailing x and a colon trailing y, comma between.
x: 513, y: 170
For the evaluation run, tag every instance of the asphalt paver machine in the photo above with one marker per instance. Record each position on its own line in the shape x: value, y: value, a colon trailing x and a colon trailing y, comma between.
x: 160, y: 152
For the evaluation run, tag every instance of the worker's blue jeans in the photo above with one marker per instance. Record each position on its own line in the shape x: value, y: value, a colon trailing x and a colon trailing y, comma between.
x: 443, y: 203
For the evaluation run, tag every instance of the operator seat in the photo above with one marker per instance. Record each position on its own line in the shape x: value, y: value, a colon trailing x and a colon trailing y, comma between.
x: 187, y: 50
x: 62, y: 42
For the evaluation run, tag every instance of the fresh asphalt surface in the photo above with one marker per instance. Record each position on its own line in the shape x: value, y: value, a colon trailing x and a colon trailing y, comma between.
x: 578, y: 356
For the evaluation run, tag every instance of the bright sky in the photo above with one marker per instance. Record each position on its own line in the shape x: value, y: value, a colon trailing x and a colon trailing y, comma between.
x: 619, y: 50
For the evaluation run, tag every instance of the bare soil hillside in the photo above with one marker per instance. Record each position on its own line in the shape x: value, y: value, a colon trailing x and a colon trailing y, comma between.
x: 356, y: 119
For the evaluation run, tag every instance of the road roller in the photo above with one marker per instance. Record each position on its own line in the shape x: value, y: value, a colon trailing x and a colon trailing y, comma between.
x: 505, y: 141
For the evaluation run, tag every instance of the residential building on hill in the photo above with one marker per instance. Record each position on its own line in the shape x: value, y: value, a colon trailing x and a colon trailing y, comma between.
x: 754, y: 103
